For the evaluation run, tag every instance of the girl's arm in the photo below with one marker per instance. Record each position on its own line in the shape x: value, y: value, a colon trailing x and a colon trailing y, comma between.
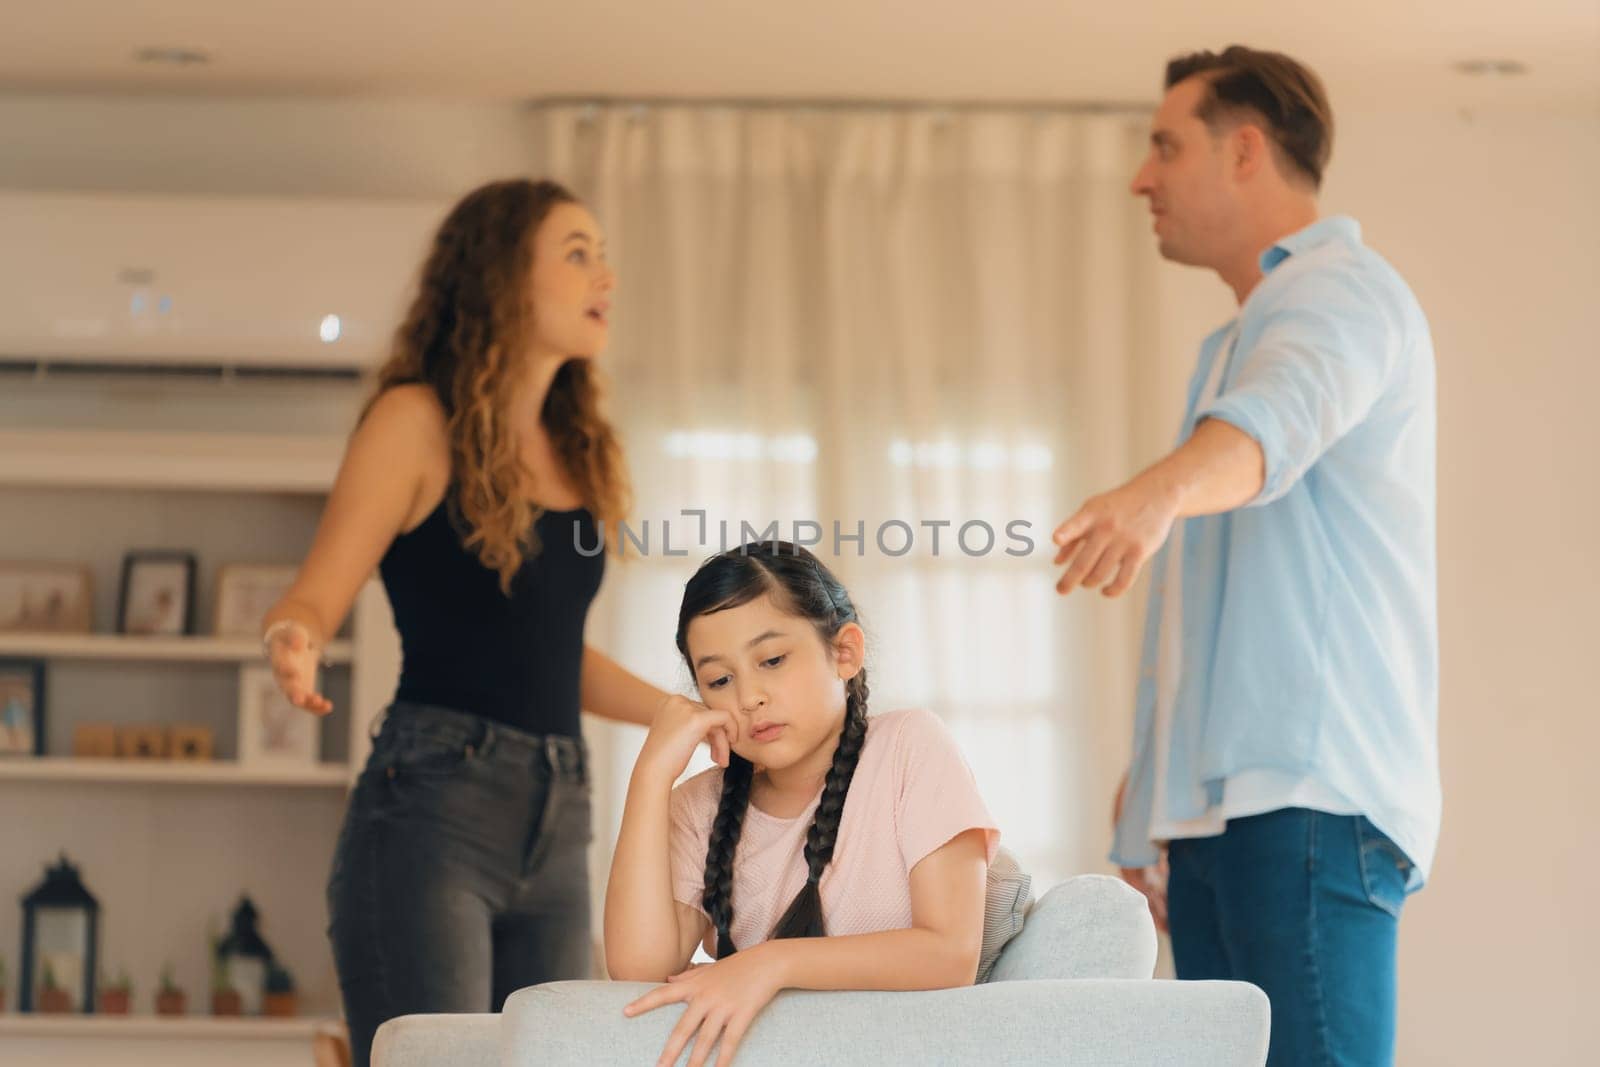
x: 611, y: 691
x: 939, y: 950
x: 376, y: 489
x: 648, y: 935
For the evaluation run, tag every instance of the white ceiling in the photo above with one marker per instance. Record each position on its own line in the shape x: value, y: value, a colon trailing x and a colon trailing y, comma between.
x: 1371, y: 52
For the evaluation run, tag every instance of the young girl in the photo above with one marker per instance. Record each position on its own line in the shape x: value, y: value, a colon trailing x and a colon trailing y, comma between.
x: 481, y: 463
x: 821, y: 821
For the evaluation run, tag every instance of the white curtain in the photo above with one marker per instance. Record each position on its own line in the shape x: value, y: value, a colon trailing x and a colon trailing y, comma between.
x: 878, y: 317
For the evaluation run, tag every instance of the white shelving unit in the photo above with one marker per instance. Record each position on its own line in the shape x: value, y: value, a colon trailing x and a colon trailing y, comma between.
x: 153, y: 649
x: 167, y: 845
x: 137, y: 1026
x: 98, y: 459
x: 170, y: 772
x: 179, y: 1041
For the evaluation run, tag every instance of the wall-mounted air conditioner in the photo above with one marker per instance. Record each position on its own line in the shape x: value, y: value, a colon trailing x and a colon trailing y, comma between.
x: 205, y: 284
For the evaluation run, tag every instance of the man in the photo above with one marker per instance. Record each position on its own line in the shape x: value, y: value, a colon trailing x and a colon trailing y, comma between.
x: 1285, y: 761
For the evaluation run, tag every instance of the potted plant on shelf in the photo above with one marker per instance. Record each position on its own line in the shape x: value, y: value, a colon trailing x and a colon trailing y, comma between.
x: 170, y: 1000
x: 280, y: 1000
x: 116, y: 998
x: 53, y: 1000
x: 225, y: 999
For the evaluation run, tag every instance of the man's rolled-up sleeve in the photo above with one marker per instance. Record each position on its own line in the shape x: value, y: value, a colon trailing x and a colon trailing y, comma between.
x: 1321, y: 362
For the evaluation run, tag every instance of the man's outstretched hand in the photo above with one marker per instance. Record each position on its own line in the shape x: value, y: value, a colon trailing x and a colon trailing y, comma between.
x: 1111, y: 537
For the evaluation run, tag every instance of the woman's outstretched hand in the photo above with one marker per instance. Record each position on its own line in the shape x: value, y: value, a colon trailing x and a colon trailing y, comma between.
x: 294, y: 667
x: 679, y: 726
x: 719, y: 999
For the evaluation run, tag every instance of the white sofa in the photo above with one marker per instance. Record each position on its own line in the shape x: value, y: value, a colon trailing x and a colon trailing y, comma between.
x: 1074, y: 987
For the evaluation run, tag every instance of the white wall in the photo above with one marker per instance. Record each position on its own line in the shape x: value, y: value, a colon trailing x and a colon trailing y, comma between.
x: 1494, y: 222
x: 285, y: 146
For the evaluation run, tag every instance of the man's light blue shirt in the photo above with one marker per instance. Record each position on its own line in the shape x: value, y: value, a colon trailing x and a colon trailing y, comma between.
x: 1309, y: 616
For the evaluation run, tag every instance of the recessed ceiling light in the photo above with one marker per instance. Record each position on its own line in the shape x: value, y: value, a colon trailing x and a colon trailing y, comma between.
x: 1491, y: 68
x: 172, y: 56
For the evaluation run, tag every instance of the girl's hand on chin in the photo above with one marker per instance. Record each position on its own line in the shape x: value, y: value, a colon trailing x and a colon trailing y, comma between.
x: 679, y: 726
x: 721, y: 998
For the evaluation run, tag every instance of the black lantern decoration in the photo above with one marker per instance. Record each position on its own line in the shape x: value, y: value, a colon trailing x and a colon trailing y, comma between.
x: 60, y: 932
x: 244, y: 958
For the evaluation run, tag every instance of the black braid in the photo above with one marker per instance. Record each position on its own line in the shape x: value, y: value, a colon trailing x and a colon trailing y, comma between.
x: 724, y: 841
x: 804, y: 915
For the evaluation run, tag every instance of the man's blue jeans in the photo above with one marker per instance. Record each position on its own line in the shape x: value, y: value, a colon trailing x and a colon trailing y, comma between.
x: 1306, y: 906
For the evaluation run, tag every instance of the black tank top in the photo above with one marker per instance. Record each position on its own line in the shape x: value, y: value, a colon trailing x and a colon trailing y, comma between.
x: 466, y: 645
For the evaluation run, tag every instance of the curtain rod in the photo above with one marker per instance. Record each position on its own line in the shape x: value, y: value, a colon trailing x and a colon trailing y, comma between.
x: 1074, y: 107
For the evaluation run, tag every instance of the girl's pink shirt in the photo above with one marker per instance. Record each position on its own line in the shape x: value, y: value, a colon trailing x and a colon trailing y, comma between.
x: 911, y: 794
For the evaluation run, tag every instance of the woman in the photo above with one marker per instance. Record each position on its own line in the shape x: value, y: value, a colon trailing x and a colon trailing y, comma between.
x: 473, y: 476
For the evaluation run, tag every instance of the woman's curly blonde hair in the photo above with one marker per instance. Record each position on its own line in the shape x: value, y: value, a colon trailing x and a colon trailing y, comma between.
x: 464, y: 337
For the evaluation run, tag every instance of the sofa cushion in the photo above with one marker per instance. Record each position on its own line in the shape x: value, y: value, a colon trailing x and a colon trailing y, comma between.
x: 1006, y: 900
x: 1091, y: 926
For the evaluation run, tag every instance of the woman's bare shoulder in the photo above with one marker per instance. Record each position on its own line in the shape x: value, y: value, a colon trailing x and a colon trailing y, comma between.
x: 409, y: 407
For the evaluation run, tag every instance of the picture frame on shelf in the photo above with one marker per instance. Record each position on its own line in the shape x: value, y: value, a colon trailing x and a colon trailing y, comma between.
x: 272, y: 731
x: 141, y: 742
x: 190, y: 744
x: 22, y: 707
x: 44, y: 597
x: 157, y: 595
x: 246, y: 592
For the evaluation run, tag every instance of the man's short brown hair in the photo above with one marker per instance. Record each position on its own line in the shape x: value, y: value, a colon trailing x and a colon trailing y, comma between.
x: 1283, y: 93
